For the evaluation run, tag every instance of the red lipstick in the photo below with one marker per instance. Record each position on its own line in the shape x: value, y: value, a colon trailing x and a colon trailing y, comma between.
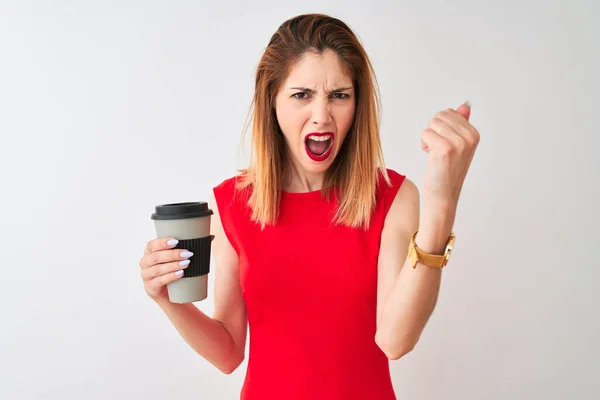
x: 325, y: 155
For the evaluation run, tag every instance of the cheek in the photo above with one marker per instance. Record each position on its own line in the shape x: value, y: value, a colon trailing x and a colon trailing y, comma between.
x: 344, y: 119
x: 291, y: 120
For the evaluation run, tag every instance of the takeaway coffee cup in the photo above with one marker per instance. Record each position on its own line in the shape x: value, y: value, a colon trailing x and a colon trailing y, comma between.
x: 190, y: 224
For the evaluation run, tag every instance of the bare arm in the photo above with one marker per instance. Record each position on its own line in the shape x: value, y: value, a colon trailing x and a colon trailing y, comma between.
x: 406, y: 296
x: 221, y: 339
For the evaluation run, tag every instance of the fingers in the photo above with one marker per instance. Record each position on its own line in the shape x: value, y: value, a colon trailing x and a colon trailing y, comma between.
x: 430, y: 139
x: 163, y: 269
x: 159, y: 244
x: 164, y: 256
x: 460, y: 125
x: 455, y: 121
x: 450, y: 141
x: 450, y: 125
x: 465, y: 110
x: 155, y: 284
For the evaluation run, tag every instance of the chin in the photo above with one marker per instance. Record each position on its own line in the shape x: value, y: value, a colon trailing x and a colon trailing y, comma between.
x: 316, y: 168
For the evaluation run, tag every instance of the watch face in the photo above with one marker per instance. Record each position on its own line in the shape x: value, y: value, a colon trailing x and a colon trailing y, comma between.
x: 448, y: 251
x: 446, y: 258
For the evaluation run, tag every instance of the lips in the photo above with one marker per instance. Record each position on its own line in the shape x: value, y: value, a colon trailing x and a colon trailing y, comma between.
x: 318, y: 145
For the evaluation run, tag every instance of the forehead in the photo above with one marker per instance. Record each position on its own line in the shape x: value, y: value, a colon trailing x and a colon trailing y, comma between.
x: 319, y: 70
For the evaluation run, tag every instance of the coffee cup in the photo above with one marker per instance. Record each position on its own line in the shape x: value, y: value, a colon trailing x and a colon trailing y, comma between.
x: 190, y: 224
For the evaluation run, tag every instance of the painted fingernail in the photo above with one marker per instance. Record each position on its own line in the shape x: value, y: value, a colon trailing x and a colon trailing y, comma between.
x: 172, y: 242
x: 180, y: 272
x: 184, y: 263
x: 186, y: 254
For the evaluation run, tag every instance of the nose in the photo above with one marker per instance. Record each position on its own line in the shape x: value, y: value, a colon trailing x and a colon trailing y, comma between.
x: 321, y: 112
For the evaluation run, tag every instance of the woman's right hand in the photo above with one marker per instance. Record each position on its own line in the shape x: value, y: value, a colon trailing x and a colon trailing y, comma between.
x: 160, y: 265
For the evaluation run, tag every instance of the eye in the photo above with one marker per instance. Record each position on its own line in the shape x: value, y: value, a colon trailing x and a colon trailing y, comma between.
x: 301, y: 97
x: 341, y: 96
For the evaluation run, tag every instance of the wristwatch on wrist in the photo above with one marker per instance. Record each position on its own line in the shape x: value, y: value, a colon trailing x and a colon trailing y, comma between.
x: 431, y: 260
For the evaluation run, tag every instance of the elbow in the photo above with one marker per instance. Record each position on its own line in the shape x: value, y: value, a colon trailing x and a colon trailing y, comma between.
x: 232, y: 365
x: 396, y: 354
x: 229, y: 370
x: 393, y: 349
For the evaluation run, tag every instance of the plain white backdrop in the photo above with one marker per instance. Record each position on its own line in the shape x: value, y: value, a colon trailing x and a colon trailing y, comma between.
x: 110, y: 108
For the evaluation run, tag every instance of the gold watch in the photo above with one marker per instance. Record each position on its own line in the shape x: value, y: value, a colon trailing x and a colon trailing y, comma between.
x: 431, y: 260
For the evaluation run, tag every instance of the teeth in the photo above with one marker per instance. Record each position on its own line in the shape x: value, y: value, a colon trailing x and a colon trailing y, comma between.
x: 320, y: 138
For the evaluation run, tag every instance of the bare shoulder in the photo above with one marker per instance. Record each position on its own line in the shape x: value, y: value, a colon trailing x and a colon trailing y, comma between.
x: 221, y: 244
x: 404, y: 211
x: 408, y: 192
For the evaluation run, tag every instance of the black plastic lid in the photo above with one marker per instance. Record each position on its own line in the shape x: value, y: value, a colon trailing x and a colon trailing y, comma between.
x: 182, y: 210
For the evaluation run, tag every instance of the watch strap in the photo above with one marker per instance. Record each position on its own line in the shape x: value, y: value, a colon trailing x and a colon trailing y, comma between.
x: 431, y: 260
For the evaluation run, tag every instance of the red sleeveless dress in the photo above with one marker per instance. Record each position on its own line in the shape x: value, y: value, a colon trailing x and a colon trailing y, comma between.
x: 310, y: 290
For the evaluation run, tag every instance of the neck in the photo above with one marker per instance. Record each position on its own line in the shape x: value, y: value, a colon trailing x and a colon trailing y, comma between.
x: 298, y: 180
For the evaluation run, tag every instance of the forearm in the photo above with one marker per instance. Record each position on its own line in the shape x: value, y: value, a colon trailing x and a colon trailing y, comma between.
x: 205, y: 335
x: 415, y: 292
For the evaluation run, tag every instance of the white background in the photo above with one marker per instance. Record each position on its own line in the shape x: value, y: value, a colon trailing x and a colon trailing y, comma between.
x: 108, y: 108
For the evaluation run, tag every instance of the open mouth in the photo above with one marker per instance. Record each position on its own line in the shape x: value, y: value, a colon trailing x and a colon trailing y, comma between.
x: 318, y: 145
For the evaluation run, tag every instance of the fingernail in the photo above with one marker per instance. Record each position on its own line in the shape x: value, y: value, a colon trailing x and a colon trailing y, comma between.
x: 468, y: 103
x: 172, y: 242
x: 184, y: 263
x: 186, y: 254
x: 179, y: 272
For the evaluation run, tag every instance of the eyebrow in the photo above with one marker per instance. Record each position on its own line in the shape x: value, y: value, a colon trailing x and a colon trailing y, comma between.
x: 309, y: 90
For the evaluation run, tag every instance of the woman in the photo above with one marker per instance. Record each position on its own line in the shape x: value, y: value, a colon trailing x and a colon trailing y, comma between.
x: 311, y: 241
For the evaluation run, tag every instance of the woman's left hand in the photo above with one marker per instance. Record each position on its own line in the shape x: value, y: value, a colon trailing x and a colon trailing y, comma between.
x: 450, y: 140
